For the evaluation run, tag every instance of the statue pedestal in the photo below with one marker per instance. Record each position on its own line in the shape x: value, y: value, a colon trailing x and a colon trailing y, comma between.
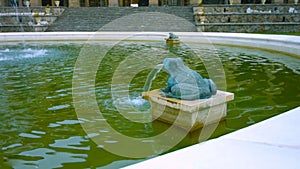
x: 172, y: 41
x: 190, y: 115
x: 56, y: 11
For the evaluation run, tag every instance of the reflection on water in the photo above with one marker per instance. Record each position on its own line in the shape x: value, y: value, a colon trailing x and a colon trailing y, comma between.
x: 39, y: 127
x: 46, y: 158
x: 70, y: 143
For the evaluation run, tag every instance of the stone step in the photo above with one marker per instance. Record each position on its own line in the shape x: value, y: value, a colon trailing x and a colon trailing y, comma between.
x: 125, y: 19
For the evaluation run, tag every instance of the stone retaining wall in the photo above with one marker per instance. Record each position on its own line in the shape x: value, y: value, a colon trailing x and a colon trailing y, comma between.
x: 242, y: 8
x: 248, y: 18
x: 249, y: 27
x: 251, y: 18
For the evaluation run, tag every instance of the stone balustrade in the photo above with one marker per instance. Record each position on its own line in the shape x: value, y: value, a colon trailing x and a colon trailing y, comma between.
x: 242, y: 8
x: 248, y: 18
x: 23, y: 19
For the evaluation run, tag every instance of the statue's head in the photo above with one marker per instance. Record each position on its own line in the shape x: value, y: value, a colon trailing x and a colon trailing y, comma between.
x: 172, y: 64
x: 172, y: 36
x: 212, y: 87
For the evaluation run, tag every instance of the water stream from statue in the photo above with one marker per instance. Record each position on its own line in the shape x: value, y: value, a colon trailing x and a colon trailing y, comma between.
x: 151, y: 76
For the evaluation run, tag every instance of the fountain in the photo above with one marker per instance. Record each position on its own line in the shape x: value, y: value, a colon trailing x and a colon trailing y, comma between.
x: 189, y: 101
x: 172, y: 39
x: 37, y: 93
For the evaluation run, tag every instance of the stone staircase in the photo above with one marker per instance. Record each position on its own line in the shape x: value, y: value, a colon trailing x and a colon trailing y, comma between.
x: 206, y: 18
x: 163, y: 18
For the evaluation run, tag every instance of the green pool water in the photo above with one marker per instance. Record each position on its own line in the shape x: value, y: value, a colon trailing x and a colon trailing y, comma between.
x: 40, y: 127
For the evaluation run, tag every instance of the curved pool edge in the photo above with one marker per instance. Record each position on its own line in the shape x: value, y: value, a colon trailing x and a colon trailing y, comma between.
x: 282, y: 43
x: 287, y: 44
x: 272, y: 143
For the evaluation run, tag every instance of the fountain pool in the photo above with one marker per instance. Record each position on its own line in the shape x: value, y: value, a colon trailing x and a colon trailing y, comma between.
x: 39, y: 123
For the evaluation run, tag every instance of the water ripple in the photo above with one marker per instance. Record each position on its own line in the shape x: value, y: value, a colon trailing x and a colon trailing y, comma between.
x: 28, y: 135
x: 74, y: 142
x: 59, y: 107
x: 36, y: 98
x: 48, y: 158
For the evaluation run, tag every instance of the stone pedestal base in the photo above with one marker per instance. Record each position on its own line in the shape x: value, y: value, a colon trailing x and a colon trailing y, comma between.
x: 56, y: 11
x: 172, y: 41
x: 38, y: 28
x: 235, y: 1
x: 113, y: 3
x: 74, y: 3
x: 153, y: 3
x: 190, y: 115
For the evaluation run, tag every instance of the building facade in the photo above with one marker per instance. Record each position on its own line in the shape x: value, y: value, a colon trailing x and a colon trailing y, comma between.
x: 123, y: 3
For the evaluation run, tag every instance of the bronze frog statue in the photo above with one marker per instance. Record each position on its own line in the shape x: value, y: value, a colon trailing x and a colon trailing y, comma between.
x: 185, y: 83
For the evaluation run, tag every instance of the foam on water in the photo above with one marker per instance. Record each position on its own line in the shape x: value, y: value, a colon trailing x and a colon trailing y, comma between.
x: 12, y: 54
x: 138, y: 101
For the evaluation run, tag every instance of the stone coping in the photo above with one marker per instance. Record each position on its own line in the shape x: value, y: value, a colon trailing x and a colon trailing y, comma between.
x: 250, y: 23
x: 23, y: 8
x: 24, y: 25
x: 28, y: 15
x: 270, y: 144
x: 250, y: 5
x: 16, y: 14
x: 246, y: 14
x: 286, y: 44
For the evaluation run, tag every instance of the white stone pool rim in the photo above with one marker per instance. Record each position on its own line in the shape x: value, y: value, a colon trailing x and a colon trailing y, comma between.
x: 287, y: 44
x: 273, y: 143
